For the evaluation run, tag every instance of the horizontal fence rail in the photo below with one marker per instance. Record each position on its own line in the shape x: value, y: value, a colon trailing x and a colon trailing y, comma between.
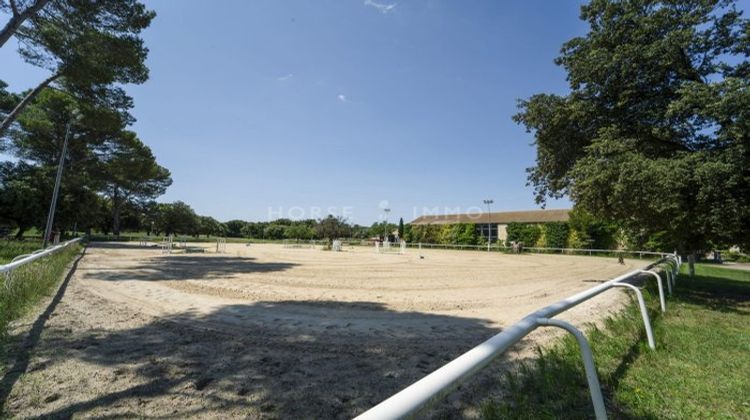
x: 432, y: 387
x: 502, y: 248
x: 24, y: 259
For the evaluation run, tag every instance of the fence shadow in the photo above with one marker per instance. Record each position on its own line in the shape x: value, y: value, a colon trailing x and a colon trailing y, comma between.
x: 312, y: 359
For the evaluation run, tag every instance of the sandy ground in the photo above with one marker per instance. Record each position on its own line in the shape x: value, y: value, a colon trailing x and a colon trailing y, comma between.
x: 272, y: 332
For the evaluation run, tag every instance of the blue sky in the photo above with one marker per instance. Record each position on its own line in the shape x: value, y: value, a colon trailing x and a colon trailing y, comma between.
x: 287, y: 108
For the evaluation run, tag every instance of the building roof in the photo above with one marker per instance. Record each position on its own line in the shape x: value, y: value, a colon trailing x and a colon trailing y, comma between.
x: 505, y: 217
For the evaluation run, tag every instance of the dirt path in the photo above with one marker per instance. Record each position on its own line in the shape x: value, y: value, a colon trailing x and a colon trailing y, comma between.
x: 265, y: 331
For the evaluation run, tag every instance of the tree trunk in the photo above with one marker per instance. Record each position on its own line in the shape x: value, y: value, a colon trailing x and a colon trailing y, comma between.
x: 691, y: 264
x: 116, y: 209
x: 21, y: 105
x: 116, y: 220
x: 21, y: 230
x: 18, y: 18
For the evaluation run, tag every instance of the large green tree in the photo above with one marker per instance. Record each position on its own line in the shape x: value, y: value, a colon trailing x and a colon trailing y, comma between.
x: 87, y: 47
x: 333, y: 227
x: 24, y: 195
x: 176, y: 218
x: 129, y: 173
x: 655, y: 132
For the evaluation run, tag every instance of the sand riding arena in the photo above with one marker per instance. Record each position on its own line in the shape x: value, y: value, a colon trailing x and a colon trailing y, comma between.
x: 273, y: 331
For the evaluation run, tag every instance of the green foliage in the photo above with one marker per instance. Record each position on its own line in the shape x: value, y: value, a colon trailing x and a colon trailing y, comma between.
x: 210, y: 227
x: 408, y: 233
x: 654, y: 131
x: 129, y: 172
x: 274, y: 231
x: 529, y: 234
x: 235, y: 228
x: 735, y: 257
x: 427, y: 234
x: 250, y: 230
x: 377, y: 230
x: 30, y: 283
x: 300, y: 231
x: 11, y: 249
x: 333, y: 227
x: 23, y: 192
x: 177, y: 218
x: 556, y: 234
x: 401, y: 228
x: 591, y: 232
x: 458, y: 234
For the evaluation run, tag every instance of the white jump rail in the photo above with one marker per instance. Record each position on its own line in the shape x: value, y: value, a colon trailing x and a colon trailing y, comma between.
x: 21, y: 260
x: 432, y: 387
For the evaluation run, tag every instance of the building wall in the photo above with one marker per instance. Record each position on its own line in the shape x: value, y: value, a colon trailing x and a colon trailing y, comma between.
x: 499, y: 231
x: 502, y: 232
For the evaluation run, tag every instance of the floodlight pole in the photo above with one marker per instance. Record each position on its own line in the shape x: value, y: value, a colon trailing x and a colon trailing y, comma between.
x: 489, y: 224
x: 385, y: 228
x: 56, y: 190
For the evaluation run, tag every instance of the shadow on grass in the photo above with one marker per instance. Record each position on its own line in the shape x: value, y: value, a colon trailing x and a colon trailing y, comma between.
x: 716, y: 293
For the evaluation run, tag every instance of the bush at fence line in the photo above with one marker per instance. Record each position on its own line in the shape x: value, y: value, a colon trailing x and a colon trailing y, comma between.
x: 556, y: 234
x: 427, y: 234
x: 735, y: 256
x: 458, y: 234
x: 522, y: 232
x: 576, y: 240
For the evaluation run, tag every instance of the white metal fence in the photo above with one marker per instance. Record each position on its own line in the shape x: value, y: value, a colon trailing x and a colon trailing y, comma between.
x: 417, y: 396
x: 534, y: 249
x: 21, y: 260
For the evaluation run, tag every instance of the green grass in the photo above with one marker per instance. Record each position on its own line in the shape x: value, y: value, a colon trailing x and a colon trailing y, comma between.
x: 30, y: 283
x: 10, y: 249
x: 700, y: 368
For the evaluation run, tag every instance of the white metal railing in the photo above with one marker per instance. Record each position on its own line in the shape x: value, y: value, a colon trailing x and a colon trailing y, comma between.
x: 24, y: 259
x: 502, y: 248
x: 435, y: 385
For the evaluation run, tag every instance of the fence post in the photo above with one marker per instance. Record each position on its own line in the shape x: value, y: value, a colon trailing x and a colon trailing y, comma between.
x: 662, y: 302
x: 588, y: 364
x: 669, y: 281
x: 644, y: 312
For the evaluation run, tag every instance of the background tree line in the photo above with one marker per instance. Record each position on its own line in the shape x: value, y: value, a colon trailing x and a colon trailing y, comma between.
x: 90, y: 49
x: 178, y: 218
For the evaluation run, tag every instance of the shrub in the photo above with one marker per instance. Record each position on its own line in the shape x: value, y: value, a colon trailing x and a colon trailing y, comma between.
x: 458, y: 234
x: 529, y: 234
x: 274, y: 232
x: 425, y: 233
x: 591, y: 232
x: 556, y: 234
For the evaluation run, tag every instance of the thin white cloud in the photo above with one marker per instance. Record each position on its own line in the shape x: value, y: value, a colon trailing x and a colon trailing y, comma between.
x: 342, y: 98
x: 382, y: 7
x: 285, y: 77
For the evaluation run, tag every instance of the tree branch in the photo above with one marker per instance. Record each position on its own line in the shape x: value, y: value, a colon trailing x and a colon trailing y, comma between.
x: 18, y: 19
x: 14, y: 7
x: 25, y: 101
